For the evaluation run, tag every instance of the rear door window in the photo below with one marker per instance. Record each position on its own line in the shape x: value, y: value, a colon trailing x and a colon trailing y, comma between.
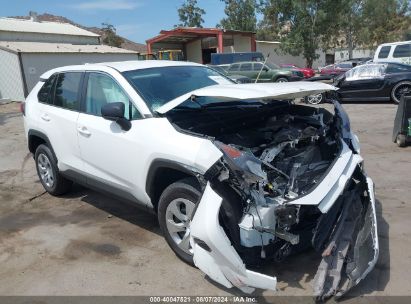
x: 45, y: 94
x: 257, y: 66
x: 344, y: 65
x: 234, y: 67
x: 67, y: 90
x: 384, y: 51
x: 402, y: 50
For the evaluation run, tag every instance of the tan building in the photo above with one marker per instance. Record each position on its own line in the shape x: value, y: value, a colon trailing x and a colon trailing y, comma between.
x: 28, y: 48
x: 278, y: 57
x: 197, y: 44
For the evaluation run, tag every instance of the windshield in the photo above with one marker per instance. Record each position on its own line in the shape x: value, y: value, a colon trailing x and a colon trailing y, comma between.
x: 271, y: 65
x: 157, y: 86
x: 367, y: 71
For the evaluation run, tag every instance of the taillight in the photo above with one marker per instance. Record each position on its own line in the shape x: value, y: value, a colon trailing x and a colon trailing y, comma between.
x: 23, y: 108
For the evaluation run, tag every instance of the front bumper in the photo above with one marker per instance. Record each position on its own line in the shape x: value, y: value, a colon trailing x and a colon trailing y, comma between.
x: 356, y: 248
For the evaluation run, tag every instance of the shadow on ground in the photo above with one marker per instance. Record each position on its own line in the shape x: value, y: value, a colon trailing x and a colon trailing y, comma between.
x: 132, y: 213
x: 296, y: 271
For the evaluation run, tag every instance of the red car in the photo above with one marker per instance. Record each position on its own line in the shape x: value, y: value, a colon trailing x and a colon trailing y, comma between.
x: 335, y: 69
x: 306, y: 71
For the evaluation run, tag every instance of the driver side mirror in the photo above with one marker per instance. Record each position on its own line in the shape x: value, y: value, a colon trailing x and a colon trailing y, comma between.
x: 265, y: 69
x: 115, y: 112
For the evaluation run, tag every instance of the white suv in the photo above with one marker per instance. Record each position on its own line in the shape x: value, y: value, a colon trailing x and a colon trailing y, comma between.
x: 238, y: 174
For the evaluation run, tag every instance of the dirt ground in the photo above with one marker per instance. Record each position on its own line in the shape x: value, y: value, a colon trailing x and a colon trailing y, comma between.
x: 87, y: 244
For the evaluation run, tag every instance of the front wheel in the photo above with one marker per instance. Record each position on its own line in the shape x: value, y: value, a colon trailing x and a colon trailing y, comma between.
x: 175, y: 211
x: 401, y: 88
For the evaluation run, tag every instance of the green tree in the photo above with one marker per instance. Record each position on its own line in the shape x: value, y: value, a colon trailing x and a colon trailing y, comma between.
x: 384, y: 21
x: 368, y: 23
x: 109, y: 35
x: 302, y: 26
x: 190, y: 14
x: 241, y: 15
x: 350, y: 22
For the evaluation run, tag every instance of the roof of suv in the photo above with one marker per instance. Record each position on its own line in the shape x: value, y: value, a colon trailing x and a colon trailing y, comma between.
x: 121, y: 66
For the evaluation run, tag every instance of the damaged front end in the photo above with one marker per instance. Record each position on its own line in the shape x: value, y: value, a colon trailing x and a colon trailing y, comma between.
x: 289, y: 181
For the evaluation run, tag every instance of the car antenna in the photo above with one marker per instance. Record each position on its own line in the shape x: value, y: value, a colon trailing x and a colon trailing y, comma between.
x: 262, y: 67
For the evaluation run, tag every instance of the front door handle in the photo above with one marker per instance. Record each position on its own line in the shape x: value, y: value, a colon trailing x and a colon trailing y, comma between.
x: 45, y: 117
x: 83, y: 131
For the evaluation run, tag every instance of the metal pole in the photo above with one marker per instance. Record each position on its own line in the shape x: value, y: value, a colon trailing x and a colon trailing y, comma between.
x: 262, y: 67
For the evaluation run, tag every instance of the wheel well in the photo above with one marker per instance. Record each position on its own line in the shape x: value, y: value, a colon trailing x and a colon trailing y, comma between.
x: 275, y: 78
x: 34, y: 142
x: 161, y: 179
x: 395, y: 86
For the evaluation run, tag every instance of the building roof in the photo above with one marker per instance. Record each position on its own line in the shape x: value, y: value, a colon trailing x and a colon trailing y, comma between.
x: 43, y: 47
x: 187, y: 34
x: 29, y: 26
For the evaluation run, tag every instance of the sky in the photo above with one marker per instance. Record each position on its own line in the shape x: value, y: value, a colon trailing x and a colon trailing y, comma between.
x: 137, y: 20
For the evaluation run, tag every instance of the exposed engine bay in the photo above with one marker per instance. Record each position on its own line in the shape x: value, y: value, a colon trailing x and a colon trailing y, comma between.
x: 274, y: 154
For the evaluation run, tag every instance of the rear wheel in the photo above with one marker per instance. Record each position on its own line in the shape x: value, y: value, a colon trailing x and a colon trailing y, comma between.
x: 281, y: 79
x: 48, y: 172
x: 175, y: 211
x: 403, y: 87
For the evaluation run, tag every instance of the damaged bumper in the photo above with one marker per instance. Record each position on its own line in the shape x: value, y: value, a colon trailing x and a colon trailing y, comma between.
x: 346, y: 236
x: 213, y: 252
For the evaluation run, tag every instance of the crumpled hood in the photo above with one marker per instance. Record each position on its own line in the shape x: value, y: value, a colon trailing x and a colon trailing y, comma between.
x: 231, y: 92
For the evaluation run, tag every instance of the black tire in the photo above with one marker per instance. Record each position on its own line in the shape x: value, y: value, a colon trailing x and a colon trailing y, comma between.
x: 186, y: 189
x: 403, y: 85
x: 401, y: 140
x: 282, y: 79
x: 59, y: 184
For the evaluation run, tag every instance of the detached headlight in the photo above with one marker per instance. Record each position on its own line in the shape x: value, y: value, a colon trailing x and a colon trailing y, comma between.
x: 243, y: 163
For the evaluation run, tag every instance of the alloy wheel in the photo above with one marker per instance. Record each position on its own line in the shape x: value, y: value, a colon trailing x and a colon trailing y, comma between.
x: 315, y: 99
x: 401, y: 90
x: 178, y: 217
x: 45, y: 170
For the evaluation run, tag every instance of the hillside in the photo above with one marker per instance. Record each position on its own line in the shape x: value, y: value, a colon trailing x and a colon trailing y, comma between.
x: 127, y: 44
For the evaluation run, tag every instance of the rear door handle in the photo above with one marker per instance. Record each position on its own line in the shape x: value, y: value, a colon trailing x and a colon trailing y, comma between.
x: 83, y: 131
x: 45, y: 117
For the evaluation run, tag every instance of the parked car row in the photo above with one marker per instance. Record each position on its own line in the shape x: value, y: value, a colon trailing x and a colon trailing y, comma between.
x: 253, y: 71
x: 307, y: 72
x: 264, y: 72
x: 371, y: 82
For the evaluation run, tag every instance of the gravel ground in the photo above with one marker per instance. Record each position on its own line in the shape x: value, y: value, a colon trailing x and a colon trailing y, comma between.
x: 87, y: 244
